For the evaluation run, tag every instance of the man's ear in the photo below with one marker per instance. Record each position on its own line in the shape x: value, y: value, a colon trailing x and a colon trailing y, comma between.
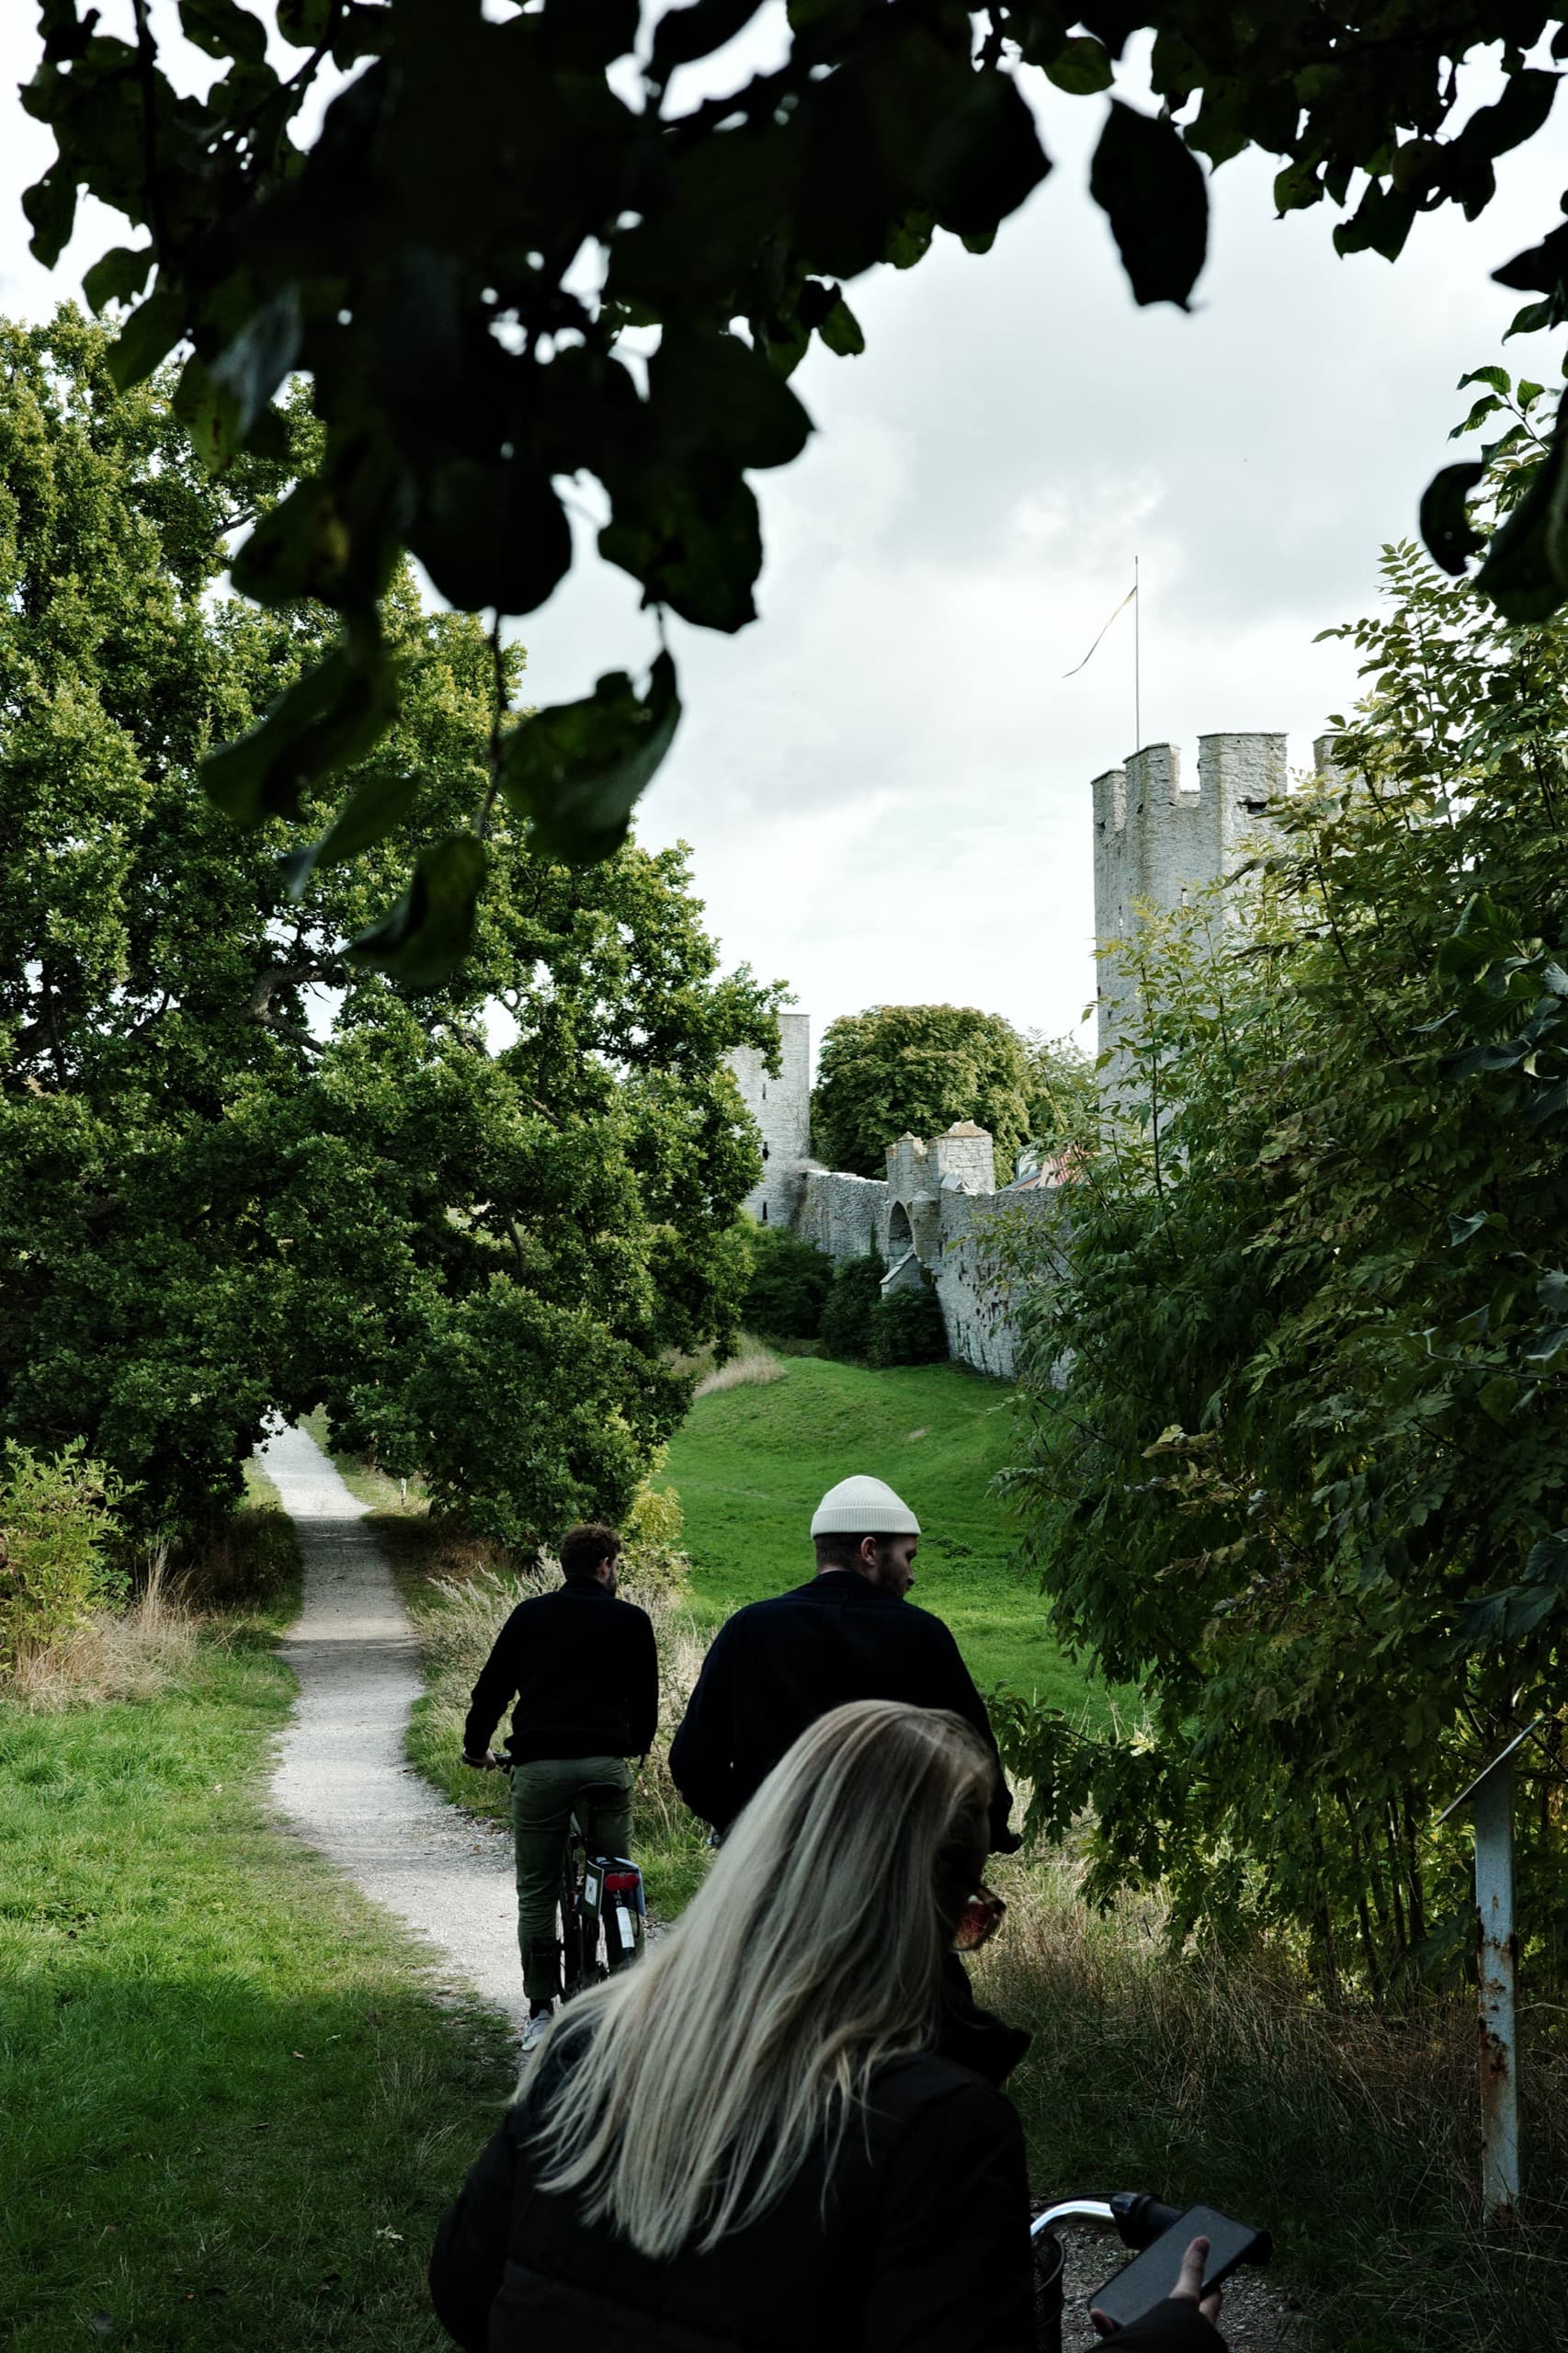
x: 870, y: 1553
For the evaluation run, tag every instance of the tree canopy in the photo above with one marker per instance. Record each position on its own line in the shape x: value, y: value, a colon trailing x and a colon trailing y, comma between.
x: 416, y: 249
x: 912, y: 1069
x: 238, y: 1172
x: 1307, y: 1480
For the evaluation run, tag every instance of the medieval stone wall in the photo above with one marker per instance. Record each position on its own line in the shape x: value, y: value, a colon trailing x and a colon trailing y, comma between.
x: 938, y: 1212
x: 782, y: 1106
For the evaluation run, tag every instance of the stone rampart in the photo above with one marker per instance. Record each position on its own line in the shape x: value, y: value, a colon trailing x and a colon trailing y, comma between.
x: 780, y: 1103
x: 847, y: 1216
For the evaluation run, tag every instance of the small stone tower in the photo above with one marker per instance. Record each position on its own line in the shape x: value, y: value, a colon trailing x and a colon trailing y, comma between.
x: 782, y: 1110
x: 1156, y: 843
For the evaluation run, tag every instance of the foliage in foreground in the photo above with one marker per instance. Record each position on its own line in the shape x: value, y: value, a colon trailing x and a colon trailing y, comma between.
x: 414, y: 251
x: 232, y: 2114
x: 238, y: 1172
x: 1308, y: 1480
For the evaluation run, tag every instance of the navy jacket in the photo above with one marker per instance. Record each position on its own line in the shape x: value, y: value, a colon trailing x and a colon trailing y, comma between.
x: 779, y: 1665
x: 584, y: 1669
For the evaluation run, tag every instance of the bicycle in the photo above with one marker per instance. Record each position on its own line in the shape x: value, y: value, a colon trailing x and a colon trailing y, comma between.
x: 601, y: 1910
x: 1142, y: 2224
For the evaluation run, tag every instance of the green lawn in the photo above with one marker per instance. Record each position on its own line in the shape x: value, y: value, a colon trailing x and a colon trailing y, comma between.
x: 231, y: 2114
x: 751, y: 1463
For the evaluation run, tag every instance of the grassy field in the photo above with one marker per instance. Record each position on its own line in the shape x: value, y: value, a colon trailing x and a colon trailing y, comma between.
x: 232, y: 2113
x: 750, y: 1464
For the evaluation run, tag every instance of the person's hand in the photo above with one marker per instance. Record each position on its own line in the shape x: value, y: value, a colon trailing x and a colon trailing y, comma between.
x: 1188, y: 2289
x: 485, y: 1764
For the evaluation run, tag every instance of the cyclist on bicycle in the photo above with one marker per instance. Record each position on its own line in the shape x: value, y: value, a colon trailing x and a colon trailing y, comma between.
x: 584, y: 1669
x: 778, y: 1665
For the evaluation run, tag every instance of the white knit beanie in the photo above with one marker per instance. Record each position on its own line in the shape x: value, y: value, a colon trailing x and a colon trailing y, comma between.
x: 862, y: 1507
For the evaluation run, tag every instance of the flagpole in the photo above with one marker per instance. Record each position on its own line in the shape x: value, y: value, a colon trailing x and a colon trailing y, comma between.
x: 1137, y: 663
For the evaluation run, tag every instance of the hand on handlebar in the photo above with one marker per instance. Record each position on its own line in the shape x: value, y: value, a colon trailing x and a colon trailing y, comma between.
x: 1188, y: 2288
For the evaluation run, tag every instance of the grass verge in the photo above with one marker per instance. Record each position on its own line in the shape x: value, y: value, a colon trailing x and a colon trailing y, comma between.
x: 1219, y: 2078
x: 231, y: 2113
x: 751, y: 1462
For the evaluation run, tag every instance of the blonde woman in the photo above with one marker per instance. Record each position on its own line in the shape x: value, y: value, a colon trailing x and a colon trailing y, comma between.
x: 756, y: 2141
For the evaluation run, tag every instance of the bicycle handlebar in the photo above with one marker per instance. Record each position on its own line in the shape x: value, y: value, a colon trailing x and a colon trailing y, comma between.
x: 1138, y: 2219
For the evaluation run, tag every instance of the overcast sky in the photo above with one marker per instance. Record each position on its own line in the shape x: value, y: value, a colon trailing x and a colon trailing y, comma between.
x: 885, y: 779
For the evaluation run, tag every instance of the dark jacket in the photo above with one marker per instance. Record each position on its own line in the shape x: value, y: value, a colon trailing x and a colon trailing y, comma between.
x: 585, y: 1671
x: 914, y: 2239
x: 779, y: 1665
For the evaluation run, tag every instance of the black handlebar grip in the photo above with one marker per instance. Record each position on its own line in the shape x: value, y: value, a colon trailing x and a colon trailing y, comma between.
x: 1140, y: 2219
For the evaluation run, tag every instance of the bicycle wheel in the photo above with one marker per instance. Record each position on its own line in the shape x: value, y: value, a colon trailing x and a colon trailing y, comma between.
x: 573, y: 1957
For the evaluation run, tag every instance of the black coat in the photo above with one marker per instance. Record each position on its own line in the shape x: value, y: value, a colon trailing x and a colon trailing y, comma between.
x: 778, y: 1665
x: 919, y: 2245
x: 584, y: 1669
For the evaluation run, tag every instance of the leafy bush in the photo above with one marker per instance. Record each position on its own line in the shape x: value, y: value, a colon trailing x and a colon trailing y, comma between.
x: 788, y: 1287
x: 854, y: 1296
x: 907, y: 1327
x: 56, y: 1524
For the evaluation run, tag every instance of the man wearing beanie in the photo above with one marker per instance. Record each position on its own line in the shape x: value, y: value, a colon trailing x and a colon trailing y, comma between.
x: 849, y: 1634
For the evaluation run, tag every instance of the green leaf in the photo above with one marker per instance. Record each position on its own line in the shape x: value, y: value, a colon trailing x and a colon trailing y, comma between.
x: 1501, y: 1619
x: 1532, y: 319
x: 1081, y: 65
x: 1152, y: 190
x: 575, y: 771
x: 695, y: 31
x: 327, y: 719
x: 1519, y: 114
x: 146, y: 339
x: 1460, y: 1229
x: 118, y: 275
x: 223, y: 28
x: 51, y: 207
x: 1497, y: 378
x: 209, y: 415
x: 304, y: 23
x: 725, y: 399
x: 1525, y: 570
x: 840, y: 330
x: 376, y: 807
x: 253, y: 366
x: 424, y: 940
x: 692, y: 539
x: 1498, y: 1397
x: 492, y: 535
x: 1446, y: 526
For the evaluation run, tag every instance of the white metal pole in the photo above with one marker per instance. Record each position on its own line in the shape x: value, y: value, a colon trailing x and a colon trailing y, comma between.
x: 1492, y: 1815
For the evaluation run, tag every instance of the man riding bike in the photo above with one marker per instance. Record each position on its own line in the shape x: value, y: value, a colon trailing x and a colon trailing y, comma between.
x: 584, y: 1669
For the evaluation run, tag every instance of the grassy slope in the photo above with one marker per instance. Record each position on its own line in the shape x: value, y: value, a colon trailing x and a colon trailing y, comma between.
x: 750, y: 1465
x: 231, y: 2114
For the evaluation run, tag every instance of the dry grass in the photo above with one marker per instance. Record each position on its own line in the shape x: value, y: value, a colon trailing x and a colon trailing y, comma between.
x: 752, y: 1367
x: 1220, y: 2077
x: 151, y: 1645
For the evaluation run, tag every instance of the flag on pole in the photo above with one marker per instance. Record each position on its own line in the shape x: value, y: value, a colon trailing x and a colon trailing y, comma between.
x: 1120, y: 608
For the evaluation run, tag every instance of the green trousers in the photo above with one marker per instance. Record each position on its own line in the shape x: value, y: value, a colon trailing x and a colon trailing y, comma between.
x: 543, y: 1794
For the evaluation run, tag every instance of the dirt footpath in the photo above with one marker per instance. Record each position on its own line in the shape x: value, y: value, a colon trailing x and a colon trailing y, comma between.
x: 342, y: 1780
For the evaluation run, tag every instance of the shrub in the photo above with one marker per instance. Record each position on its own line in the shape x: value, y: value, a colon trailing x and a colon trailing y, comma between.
x: 854, y: 1295
x: 907, y: 1327
x: 788, y: 1288
x: 56, y: 1526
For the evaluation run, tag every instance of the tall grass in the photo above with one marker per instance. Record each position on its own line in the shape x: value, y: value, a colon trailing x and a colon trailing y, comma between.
x: 1220, y: 2077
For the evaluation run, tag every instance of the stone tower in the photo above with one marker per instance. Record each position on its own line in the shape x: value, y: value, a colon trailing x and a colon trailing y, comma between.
x: 782, y: 1110
x: 1157, y: 843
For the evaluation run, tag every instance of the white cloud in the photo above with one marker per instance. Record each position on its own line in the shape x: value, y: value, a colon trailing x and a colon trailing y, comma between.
x: 886, y: 778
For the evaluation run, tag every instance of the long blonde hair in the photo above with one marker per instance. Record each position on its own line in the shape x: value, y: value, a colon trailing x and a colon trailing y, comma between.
x: 701, y: 2080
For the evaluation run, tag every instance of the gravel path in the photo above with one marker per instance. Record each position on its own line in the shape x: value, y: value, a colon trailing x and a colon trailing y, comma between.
x: 342, y: 1780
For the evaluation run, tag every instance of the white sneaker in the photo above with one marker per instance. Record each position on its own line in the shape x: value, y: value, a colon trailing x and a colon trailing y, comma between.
x: 535, y: 2031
